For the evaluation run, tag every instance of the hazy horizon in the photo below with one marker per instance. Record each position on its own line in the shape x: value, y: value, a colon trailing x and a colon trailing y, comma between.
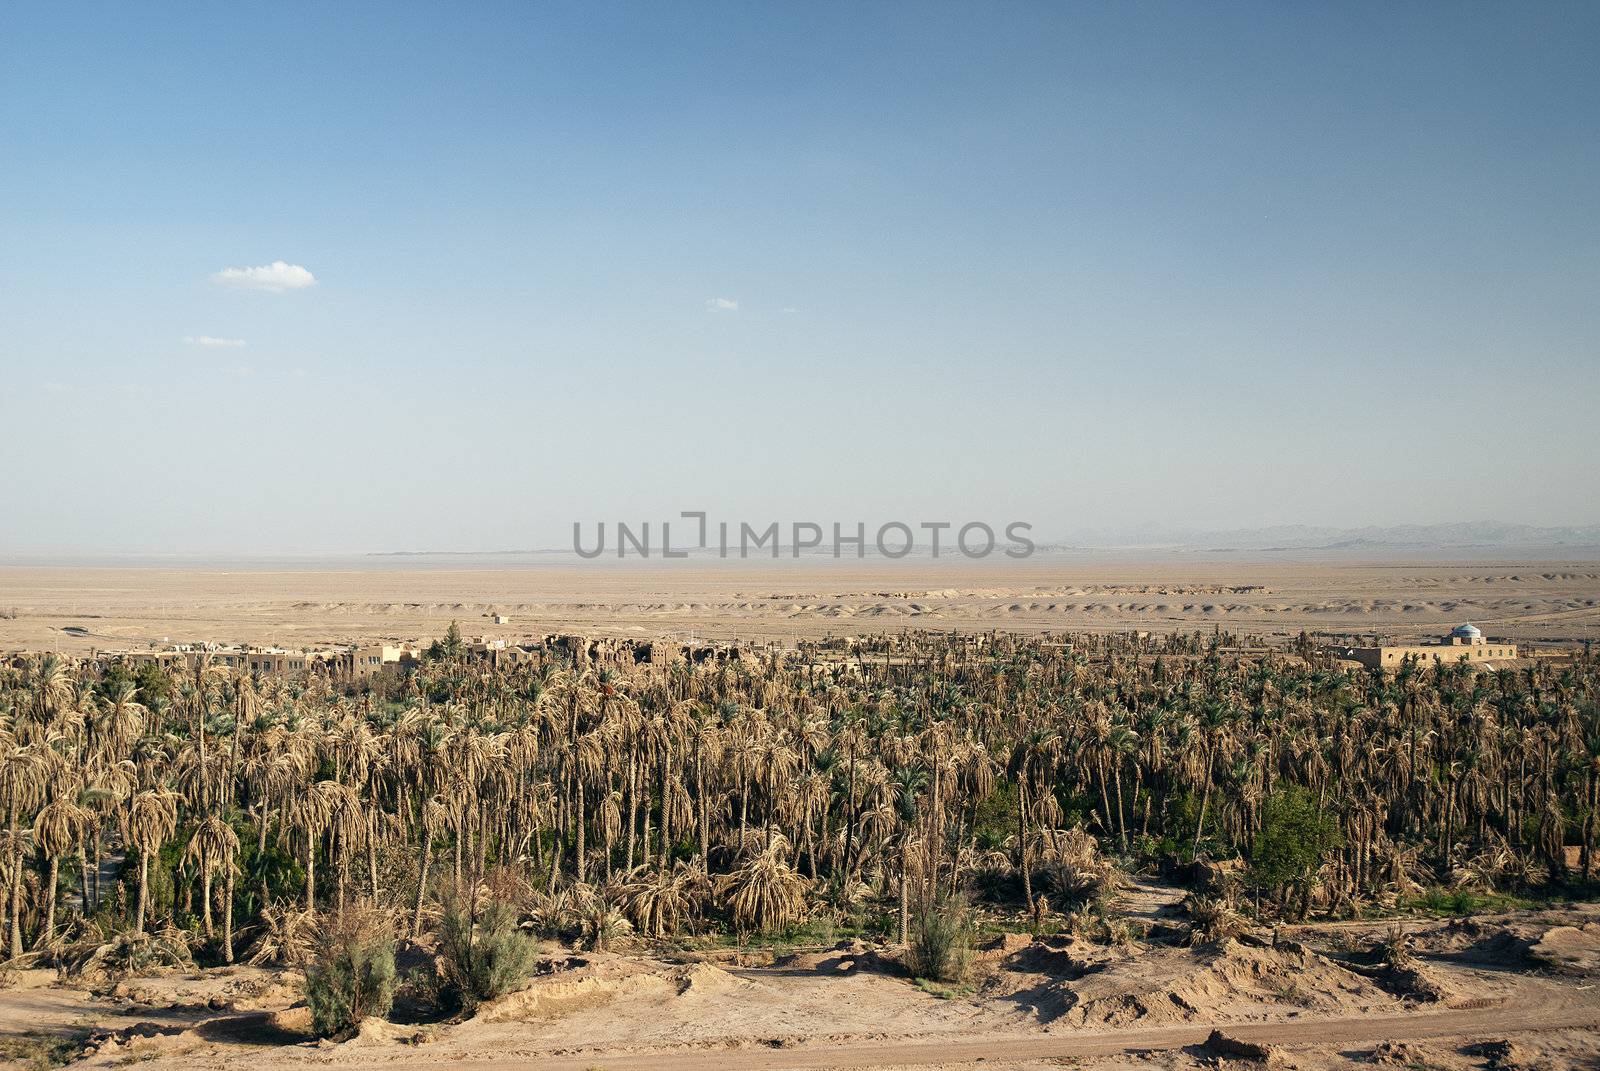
x: 336, y: 280
x: 1478, y: 542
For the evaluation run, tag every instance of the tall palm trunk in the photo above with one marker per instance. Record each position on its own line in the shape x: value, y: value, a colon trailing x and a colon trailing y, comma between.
x: 582, y: 821
x: 705, y: 812
x: 205, y: 898
x: 15, y: 907
x: 227, y: 921
x: 1105, y: 792
x: 1587, y: 860
x: 1205, y: 799
x: 372, y: 857
x: 1122, y: 822
x: 47, y: 934
x: 905, y: 907
x: 311, y: 873
x: 144, y: 886
x: 644, y: 846
x: 1024, y: 863
x: 422, y: 884
x: 83, y: 883
x: 633, y: 808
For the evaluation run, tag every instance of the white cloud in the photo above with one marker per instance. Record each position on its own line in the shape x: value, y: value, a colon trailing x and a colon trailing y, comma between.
x: 54, y: 386
x: 214, y: 343
x: 274, y: 278
x: 722, y: 304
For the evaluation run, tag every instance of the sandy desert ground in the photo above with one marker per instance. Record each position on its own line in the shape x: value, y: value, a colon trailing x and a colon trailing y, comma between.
x: 337, y: 601
x: 1516, y: 990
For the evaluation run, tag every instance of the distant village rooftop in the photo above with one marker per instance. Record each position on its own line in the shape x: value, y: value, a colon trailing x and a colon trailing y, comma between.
x: 353, y: 661
x: 361, y: 661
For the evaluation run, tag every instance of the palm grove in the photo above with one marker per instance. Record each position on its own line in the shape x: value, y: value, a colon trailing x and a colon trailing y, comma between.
x: 227, y: 815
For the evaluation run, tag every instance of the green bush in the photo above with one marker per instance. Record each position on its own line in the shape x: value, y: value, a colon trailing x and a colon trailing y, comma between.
x: 353, y: 975
x: 1294, y: 836
x: 940, y: 946
x: 483, y: 953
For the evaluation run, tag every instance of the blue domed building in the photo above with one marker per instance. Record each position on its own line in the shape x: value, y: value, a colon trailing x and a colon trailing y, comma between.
x: 1465, y: 643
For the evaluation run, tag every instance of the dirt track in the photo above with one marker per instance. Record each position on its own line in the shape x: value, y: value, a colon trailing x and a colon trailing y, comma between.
x: 1526, y: 976
x: 1536, y: 1007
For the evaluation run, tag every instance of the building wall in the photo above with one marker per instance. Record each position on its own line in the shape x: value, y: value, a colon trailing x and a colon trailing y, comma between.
x: 1476, y: 652
x: 1392, y: 657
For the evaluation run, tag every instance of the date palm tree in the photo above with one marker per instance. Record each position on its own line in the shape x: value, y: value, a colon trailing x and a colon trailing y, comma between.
x: 58, y: 830
x: 764, y: 892
x: 213, y: 849
x: 151, y: 819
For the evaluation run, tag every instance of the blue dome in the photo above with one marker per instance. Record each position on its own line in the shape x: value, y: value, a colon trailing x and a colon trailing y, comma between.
x: 1466, y: 632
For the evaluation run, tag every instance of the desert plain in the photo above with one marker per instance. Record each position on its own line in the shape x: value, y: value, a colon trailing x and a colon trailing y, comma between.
x: 408, y: 598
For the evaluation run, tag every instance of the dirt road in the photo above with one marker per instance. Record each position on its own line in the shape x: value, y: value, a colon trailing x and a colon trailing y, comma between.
x: 1536, y: 1007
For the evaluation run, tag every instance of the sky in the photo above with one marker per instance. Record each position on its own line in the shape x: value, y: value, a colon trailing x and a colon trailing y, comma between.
x: 306, y: 278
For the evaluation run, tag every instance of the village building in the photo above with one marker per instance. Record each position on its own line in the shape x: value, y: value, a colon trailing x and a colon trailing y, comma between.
x: 357, y: 662
x: 1465, y: 643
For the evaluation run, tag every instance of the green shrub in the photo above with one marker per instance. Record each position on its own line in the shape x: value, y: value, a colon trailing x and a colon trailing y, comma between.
x: 940, y: 946
x: 1295, y: 834
x: 353, y: 975
x: 483, y: 953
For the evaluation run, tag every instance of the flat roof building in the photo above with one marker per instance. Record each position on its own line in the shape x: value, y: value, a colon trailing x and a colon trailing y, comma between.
x: 1465, y: 643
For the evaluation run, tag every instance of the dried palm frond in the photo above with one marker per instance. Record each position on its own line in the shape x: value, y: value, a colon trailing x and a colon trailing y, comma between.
x: 764, y: 892
x: 1212, y: 919
x: 135, y: 953
x: 287, y: 938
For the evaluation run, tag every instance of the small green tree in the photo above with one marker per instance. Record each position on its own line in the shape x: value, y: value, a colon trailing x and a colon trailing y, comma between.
x: 941, y: 942
x: 483, y: 952
x: 353, y: 975
x: 1295, y: 834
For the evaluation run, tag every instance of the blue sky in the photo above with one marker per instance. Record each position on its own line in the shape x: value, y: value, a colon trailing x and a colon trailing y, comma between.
x: 1088, y: 266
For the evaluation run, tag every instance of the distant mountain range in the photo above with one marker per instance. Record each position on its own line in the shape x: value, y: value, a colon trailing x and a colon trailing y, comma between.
x: 1464, y: 535
x: 1459, y: 539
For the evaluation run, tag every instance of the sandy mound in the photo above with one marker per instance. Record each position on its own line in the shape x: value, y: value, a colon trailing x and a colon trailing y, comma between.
x: 602, y: 979
x: 238, y: 988
x: 611, y: 1002
x: 846, y: 956
x: 380, y: 1032
x: 28, y: 978
x: 1571, y: 950
x: 1418, y: 982
x: 286, y: 1027
x: 1224, y: 1046
x: 1088, y: 985
x: 557, y: 997
x: 1410, y: 1055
